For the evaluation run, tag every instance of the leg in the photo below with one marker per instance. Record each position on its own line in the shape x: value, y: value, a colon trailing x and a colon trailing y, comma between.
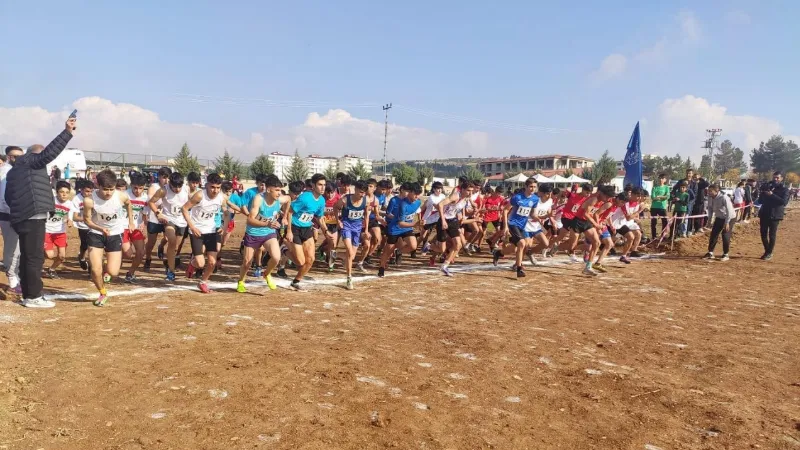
x: 726, y: 237
x: 764, y: 228
x: 138, y: 255
x: 96, y: 261
x: 247, y: 258
x: 773, y: 234
x: 274, y: 250
x: 151, y: 243
x: 716, y: 229
x: 208, y: 268
x: 31, y: 235
x: 10, y: 253
x: 61, y: 255
x: 172, y: 246
x: 113, y: 263
x: 308, y: 253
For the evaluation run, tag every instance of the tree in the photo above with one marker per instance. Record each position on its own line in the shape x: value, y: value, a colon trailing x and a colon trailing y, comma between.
x: 404, y: 174
x: 775, y: 154
x: 728, y: 157
x: 298, y: 171
x: 228, y: 165
x: 603, y: 171
x: 425, y: 175
x: 705, y: 168
x: 359, y: 171
x: 261, y: 166
x: 568, y: 173
x: 185, y: 162
x: 732, y: 176
x: 330, y: 172
x: 792, y: 178
x: 473, y: 174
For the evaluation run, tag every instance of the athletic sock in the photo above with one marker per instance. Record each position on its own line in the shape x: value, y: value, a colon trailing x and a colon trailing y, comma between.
x: 103, y: 291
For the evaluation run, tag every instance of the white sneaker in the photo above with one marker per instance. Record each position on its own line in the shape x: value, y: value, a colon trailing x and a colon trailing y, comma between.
x: 38, y: 303
x: 573, y: 258
x: 532, y: 259
x: 725, y: 257
x: 590, y: 272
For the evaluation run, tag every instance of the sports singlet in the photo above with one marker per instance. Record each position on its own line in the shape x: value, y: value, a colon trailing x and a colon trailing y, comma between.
x: 330, y: 203
x: 77, y: 202
x: 351, y: 213
x: 172, y: 205
x: 541, y: 211
x: 138, y: 205
x: 106, y: 214
x: 431, y: 213
x: 152, y: 215
x: 573, y: 206
x: 205, y: 211
x: 57, y: 220
x: 265, y: 213
x: 451, y: 210
x: 582, y: 213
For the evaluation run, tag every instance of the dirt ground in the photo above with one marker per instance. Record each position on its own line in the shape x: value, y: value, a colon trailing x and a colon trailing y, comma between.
x: 667, y: 353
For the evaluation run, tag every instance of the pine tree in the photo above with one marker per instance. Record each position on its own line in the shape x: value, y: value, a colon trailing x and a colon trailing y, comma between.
x: 228, y: 165
x: 185, y: 162
x: 261, y: 166
x: 359, y: 171
x: 298, y: 171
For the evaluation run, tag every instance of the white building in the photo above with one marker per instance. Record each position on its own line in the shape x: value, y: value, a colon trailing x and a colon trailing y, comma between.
x: 282, y: 162
x: 319, y: 164
x: 347, y: 162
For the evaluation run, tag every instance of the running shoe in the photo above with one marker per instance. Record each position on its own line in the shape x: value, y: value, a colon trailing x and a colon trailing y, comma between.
x: 590, y: 272
x: 573, y: 258
x: 281, y: 273
x: 102, y: 299
x: 240, y: 287
x: 381, y: 272
x: 160, y: 252
x: 624, y: 259
x: 330, y: 266
x: 146, y: 267
x: 106, y: 278
x: 39, y: 302
x: 84, y: 264
x: 257, y: 272
x: 600, y: 268
x: 532, y: 259
x: 414, y: 254
x: 204, y: 287
x: 52, y: 274
x: 708, y: 255
x: 368, y: 260
x: 270, y: 284
x: 170, y: 275
x: 360, y: 267
x: 398, y: 256
x: 426, y: 248
x: 177, y: 262
x: 520, y: 272
x: 768, y: 257
x: 17, y: 290
x: 349, y: 284
x: 446, y: 271
x: 496, y: 255
x: 432, y: 261
x: 296, y: 286
x: 190, y: 271
x: 725, y: 257
x: 612, y: 252
x: 130, y: 278
x: 637, y: 254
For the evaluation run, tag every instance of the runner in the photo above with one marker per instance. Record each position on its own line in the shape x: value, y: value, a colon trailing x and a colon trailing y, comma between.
x: 402, y: 214
x: 449, y: 225
x: 102, y: 214
x: 170, y: 216
x: 154, y: 227
x: 303, y: 213
x: 515, y: 217
x: 133, y: 242
x: 536, y: 222
x: 193, y: 179
x: 331, y: 230
x: 199, y: 213
x: 430, y: 219
x: 494, y: 204
x: 55, y: 238
x: 609, y: 230
x: 586, y: 222
x: 84, y: 190
x: 354, y: 212
x: 571, y: 208
x: 376, y: 197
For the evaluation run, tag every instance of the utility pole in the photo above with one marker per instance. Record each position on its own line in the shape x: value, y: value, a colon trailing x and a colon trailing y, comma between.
x: 386, y: 109
x: 712, y: 143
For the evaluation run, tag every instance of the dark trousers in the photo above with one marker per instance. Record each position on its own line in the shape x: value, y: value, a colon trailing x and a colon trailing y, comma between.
x: 697, y: 224
x: 654, y: 222
x: 747, y: 210
x: 717, y: 229
x: 769, y: 233
x: 31, y: 256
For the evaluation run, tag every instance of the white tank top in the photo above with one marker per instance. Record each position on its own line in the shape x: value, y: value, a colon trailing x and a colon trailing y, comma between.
x: 151, y: 215
x: 107, y: 214
x: 203, y: 213
x: 138, y: 205
x: 451, y: 210
x: 173, y: 204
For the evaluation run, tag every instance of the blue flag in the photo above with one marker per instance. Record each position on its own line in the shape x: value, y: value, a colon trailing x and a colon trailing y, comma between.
x: 633, y: 159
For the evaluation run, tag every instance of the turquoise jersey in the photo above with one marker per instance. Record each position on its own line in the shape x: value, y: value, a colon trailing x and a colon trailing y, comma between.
x: 305, y: 208
x: 265, y: 213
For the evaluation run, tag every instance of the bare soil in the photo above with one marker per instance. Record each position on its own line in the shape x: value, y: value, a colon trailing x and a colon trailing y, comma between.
x: 667, y: 353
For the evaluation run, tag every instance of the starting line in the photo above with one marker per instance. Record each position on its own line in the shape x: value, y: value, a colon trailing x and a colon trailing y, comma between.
x: 322, y: 282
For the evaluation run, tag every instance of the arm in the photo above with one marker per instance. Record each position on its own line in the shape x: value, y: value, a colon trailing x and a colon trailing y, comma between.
x: 151, y: 203
x: 88, y: 207
x: 126, y: 202
x: 440, y: 207
x: 252, y: 217
x: 586, y: 206
x: 194, y: 200
x: 53, y: 149
x: 337, y: 210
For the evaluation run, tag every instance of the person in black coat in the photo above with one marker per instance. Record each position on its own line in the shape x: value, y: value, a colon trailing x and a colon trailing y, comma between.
x: 774, y: 198
x: 30, y: 201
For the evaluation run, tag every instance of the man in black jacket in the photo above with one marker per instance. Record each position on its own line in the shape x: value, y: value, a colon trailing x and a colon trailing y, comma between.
x: 774, y: 198
x: 699, y: 207
x: 30, y: 201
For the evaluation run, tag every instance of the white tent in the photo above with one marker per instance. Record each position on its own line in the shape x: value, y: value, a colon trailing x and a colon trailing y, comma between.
x: 576, y: 179
x: 543, y: 179
x: 560, y: 179
x: 519, y: 178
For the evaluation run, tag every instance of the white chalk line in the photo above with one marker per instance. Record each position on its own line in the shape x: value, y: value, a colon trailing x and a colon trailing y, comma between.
x: 285, y: 283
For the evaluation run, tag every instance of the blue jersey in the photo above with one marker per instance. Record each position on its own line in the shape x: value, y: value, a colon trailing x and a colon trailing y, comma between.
x: 353, y: 214
x: 522, y: 206
x: 265, y: 213
x: 305, y: 208
x: 247, y: 197
x: 380, y: 199
x: 402, y: 211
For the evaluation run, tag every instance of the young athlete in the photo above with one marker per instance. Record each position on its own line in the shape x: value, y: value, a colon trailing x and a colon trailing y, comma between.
x: 608, y: 231
x: 449, y: 225
x: 331, y: 230
x: 55, y: 238
x: 586, y: 223
x: 303, y: 212
x: 354, y: 212
x: 84, y: 190
x: 263, y: 223
x: 493, y: 205
x: 193, y: 179
x: 102, y: 214
x: 571, y: 208
x: 515, y: 217
x: 377, y: 222
x: 170, y: 216
x: 154, y: 227
x: 536, y: 222
x: 430, y: 219
x: 133, y: 242
x: 402, y: 215
x: 199, y: 212
x: 287, y: 247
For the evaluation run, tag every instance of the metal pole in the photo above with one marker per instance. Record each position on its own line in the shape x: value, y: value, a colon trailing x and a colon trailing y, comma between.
x: 386, y: 109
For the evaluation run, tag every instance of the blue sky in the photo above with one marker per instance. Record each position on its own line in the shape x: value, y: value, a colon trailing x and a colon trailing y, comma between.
x: 517, y: 63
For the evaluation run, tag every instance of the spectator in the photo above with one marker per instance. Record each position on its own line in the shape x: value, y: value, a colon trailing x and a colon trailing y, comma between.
x: 691, y: 190
x: 66, y: 172
x: 699, y: 208
x: 30, y: 200
x: 748, y: 200
x: 10, y: 238
x: 738, y: 198
x: 660, y: 197
x: 724, y: 219
x: 681, y: 202
x: 774, y: 198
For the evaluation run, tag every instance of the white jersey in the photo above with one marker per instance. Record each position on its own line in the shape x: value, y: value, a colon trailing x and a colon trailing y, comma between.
x: 139, y: 206
x: 541, y: 211
x: 172, y: 205
x: 57, y: 220
x: 77, y: 202
x: 151, y: 215
x: 108, y: 214
x: 632, y: 210
x: 203, y: 213
x: 451, y: 210
x: 618, y: 219
x: 431, y: 213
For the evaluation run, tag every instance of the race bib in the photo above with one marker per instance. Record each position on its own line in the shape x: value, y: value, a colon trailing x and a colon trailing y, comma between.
x: 408, y: 218
x: 176, y: 210
x: 108, y: 217
x: 306, y: 217
x: 205, y: 215
x: 329, y: 210
x: 523, y: 210
x: 575, y: 208
x: 262, y: 219
x: 354, y: 214
x: 55, y: 218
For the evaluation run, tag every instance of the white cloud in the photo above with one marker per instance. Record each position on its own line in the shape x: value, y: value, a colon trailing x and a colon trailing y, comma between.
x: 737, y: 18
x: 690, y: 26
x: 612, y: 66
x: 126, y: 128
x: 680, y: 124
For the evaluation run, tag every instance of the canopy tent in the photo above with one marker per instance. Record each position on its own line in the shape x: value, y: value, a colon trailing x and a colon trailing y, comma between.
x: 543, y: 179
x: 519, y: 178
x: 560, y: 179
x: 576, y: 179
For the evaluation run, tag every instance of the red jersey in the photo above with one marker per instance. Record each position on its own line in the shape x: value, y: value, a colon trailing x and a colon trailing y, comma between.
x: 581, y: 214
x: 573, y: 206
x: 493, y: 204
x: 604, y: 215
x: 330, y: 218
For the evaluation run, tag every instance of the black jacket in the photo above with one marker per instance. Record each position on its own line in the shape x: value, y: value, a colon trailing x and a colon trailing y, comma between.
x: 772, y: 205
x: 28, y: 190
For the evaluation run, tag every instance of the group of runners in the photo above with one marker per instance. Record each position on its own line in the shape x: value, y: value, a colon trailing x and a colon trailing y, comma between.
x: 376, y: 224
